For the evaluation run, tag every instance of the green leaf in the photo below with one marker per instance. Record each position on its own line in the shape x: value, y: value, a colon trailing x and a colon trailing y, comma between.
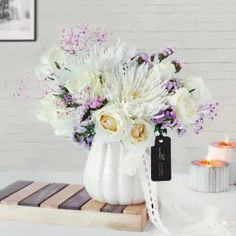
x: 164, y: 131
x: 58, y: 95
x: 159, y: 130
x: 192, y: 90
x: 75, y: 105
x: 64, y: 89
x: 161, y: 58
x: 67, y: 69
x: 57, y: 65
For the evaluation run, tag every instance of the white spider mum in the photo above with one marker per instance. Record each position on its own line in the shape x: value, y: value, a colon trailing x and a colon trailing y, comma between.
x: 89, y: 68
x: 138, y: 89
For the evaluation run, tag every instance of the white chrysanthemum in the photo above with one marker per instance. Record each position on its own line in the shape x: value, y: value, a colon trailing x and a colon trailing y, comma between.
x: 138, y: 89
x: 89, y: 68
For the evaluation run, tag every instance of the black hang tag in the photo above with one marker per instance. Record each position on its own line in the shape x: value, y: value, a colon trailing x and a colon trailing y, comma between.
x: 161, y: 159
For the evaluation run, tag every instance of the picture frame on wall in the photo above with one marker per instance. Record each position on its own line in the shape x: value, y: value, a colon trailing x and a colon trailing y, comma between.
x: 17, y: 20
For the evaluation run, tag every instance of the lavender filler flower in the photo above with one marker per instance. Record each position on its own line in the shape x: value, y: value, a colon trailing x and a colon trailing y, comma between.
x: 84, y: 130
x: 167, y: 119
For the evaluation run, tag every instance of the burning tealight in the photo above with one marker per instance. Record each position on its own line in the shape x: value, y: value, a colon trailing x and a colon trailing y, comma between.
x: 210, y: 176
x: 225, y: 151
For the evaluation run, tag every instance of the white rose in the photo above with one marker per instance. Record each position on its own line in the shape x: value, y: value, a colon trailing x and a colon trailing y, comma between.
x: 140, y: 134
x: 47, y: 61
x: 166, y: 70
x: 110, y: 122
x: 199, y: 91
x: 185, y: 106
x: 53, y: 111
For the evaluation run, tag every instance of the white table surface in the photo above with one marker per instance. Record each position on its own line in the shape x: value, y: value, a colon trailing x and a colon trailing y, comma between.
x: 176, y: 190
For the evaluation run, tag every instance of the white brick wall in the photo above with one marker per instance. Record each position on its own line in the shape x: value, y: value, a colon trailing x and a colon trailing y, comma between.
x: 203, y: 31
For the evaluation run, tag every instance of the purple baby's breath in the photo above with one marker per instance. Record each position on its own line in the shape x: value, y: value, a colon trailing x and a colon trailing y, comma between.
x: 89, y: 140
x: 85, y: 108
x: 208, y: 111
x: 68, y: 99
x: 80, y: 129
x: 166, y: 52
x: 75, y: 39
x: 22, y: 88
x: 173, y: 85
x: 84, y: 144
x: 86, y: 122
x: 144, y: 56
x: 178, y: 65
x: 96, y: 103
x: 182, y: 131
x: 81, y: 113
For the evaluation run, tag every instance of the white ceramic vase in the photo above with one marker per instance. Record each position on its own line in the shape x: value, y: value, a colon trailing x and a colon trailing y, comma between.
x: 104, y: 178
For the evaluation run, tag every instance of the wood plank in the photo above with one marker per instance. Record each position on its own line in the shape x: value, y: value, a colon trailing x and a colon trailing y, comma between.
x: 113, y: 208
x: 12, y: 188
x: 22, y: 194
x: 37, y: 198
x: 138, y: 209
x: 135, y: 209
x: 77, y: 201
x: 93, y: 205
x: 70, y: 217
x: 93, y: 213
x: 62, y: 196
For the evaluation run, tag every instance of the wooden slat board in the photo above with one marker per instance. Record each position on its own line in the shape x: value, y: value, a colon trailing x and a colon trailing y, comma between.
x: 22, y: 194
x: 77, y: 201
x: 43, y: 194
x: 113, y: 208
x: 67, y: 204
x: 56, y: 200
x: 12, y: 188
x: 93, y: 205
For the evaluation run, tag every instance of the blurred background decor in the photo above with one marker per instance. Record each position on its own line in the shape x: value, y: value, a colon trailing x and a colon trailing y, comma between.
x: 17, y: 20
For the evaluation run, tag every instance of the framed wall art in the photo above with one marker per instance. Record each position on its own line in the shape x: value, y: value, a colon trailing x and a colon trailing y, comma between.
x: 17, y: 20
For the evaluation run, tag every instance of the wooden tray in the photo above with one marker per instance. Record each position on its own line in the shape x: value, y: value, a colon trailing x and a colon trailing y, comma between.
x: 66, y: 204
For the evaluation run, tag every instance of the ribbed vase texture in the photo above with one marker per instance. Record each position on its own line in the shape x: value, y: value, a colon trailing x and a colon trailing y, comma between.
x: 104, y: 178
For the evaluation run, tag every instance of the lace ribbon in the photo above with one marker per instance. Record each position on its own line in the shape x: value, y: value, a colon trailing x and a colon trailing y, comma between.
x: 150, y: 193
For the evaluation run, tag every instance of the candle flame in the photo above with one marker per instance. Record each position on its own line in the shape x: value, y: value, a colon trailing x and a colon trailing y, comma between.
x: 208, y: 160
x: 226, y: 141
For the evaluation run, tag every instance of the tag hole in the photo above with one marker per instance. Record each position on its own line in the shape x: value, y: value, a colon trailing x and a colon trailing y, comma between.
x: 160, y: 141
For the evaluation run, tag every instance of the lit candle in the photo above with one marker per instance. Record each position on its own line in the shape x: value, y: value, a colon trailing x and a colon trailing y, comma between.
x: 210, y: 176
x: 225, y: 151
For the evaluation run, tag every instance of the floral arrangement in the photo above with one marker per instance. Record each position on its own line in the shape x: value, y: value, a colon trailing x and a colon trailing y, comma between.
x: 116, y: 92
